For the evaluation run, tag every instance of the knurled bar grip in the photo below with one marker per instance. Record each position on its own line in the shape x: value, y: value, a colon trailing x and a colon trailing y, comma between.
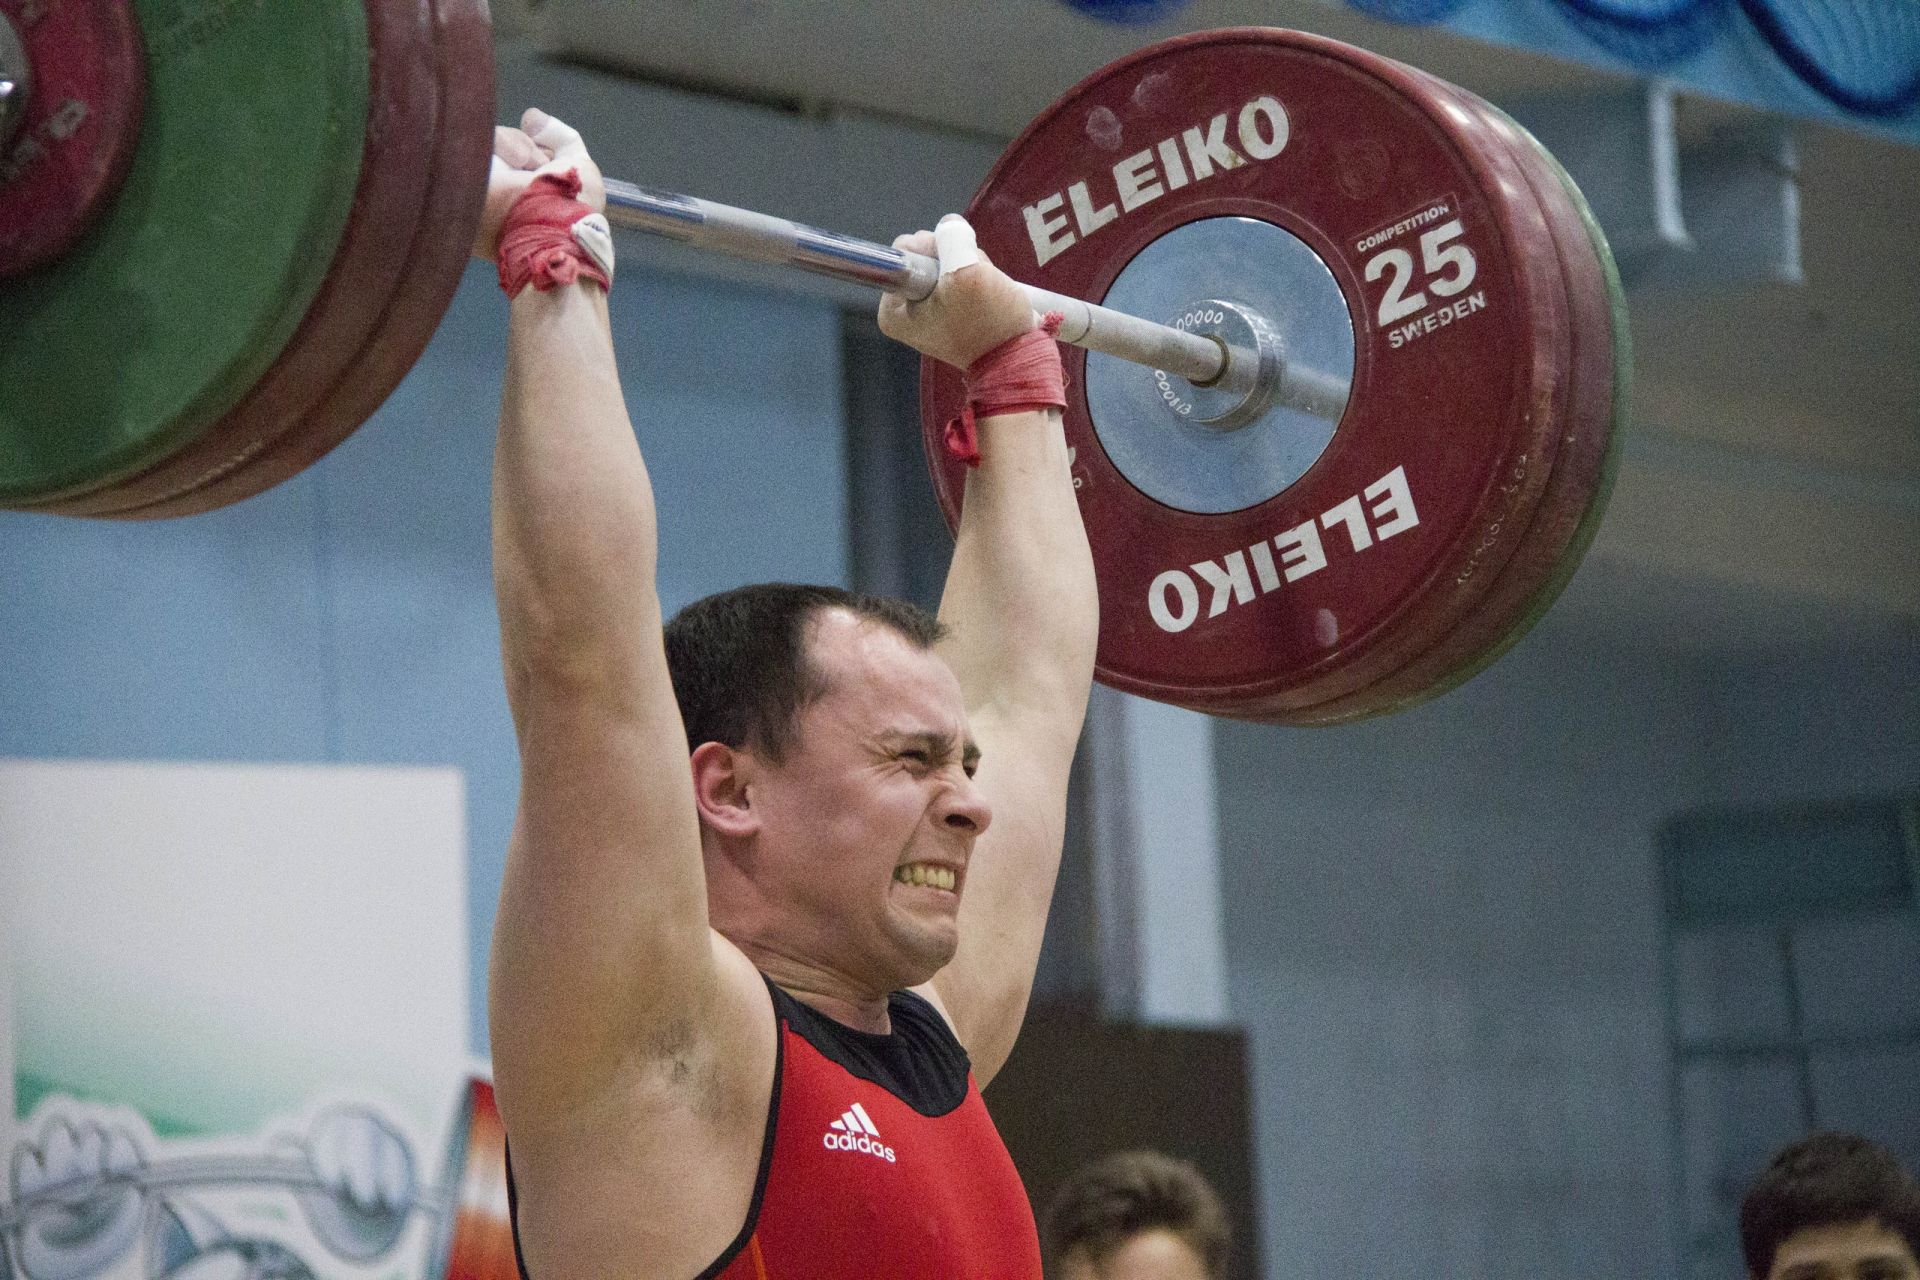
x: 742, y: 233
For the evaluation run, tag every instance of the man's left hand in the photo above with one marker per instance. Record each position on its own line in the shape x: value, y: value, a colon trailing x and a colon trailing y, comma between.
x: 971, y: 311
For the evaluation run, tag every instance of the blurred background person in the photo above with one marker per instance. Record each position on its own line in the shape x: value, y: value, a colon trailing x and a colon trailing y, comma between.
x: 1136, y: 1215
x: 1833, y: 1206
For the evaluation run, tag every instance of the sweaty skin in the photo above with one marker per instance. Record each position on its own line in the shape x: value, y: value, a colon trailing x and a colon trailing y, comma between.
x: 646, y: 886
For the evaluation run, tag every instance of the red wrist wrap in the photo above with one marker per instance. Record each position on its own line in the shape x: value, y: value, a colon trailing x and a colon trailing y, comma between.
x: 1021, y: 374
x: 536, y: 240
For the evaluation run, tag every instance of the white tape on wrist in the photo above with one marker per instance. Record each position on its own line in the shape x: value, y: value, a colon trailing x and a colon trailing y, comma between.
x: 594, y: 236
x: 954, y: 244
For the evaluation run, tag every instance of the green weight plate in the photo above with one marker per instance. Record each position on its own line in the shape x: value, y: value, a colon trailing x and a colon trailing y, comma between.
x: 462, y: 148
x: 374, y: 254
x: 190, y: 285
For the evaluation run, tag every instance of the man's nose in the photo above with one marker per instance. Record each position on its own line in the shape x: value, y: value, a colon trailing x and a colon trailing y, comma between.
x: 965, y: 808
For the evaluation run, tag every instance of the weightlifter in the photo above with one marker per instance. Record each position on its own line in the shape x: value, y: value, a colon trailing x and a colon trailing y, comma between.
x: 744, y: 997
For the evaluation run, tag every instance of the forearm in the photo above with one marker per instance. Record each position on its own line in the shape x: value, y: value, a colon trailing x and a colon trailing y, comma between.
x: 1020, y: 595
x: 574, y: 531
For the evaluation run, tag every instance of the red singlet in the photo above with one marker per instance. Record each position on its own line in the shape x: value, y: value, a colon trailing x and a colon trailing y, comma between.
x: 879, y: 1161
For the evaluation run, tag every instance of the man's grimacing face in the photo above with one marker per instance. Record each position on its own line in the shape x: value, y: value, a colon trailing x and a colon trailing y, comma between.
x: 868, y: 824
x: 1862, y: 1250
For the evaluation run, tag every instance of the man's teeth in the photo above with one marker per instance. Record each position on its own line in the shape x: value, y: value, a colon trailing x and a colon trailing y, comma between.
x: 921, y: 873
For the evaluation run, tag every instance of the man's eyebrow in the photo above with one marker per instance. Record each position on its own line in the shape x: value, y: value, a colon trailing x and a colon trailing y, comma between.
x: 933, y: 741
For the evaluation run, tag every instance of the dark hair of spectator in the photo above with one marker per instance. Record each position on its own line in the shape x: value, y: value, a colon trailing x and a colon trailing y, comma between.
x: 1109, y: 1202
x: 739, y: 661
x: 1828, y: 1178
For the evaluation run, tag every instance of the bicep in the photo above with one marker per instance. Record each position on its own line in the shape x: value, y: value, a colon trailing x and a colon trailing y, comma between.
x: 601, y: 946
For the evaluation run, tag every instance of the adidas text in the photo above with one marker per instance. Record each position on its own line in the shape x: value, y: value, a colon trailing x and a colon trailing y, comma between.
x: 849, y: 1142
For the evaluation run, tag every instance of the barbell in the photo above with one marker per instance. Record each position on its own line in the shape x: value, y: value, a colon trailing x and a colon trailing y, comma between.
x: 1349, y: 356
x: 471, y: 1234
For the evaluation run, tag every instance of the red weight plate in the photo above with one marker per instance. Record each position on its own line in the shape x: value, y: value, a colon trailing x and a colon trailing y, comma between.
x: 1446, y: 272
x: 88, y: 86
x: 402, y: 109
x: 474, y: 1238
x: 1489, y: 616
x: 1514, y: 602
x: 436, y: 258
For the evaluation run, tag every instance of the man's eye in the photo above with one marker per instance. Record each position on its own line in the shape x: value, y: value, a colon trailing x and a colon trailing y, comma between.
x: 918, y: 757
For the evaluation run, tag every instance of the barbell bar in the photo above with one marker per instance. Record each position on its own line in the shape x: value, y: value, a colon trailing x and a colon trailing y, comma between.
x: 1248, y: 373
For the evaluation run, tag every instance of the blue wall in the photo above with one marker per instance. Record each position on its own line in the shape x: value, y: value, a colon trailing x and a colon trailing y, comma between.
x: 1443, y: 934
x: 347, y: 616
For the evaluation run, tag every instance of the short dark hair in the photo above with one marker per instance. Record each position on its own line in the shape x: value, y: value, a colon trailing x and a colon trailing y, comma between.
x: 1116, y: 1198
x: 1821, y: 1179
x: 739, y: 662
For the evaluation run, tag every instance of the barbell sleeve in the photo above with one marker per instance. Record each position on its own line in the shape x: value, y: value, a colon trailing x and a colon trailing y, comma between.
x: 759, y: 237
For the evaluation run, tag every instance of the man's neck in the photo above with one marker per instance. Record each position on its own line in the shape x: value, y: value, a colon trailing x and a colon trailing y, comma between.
x: 866, y: 1014
x: 826, y: 993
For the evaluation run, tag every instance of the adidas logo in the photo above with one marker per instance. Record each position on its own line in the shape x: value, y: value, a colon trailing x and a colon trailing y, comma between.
x: 855, y: 1131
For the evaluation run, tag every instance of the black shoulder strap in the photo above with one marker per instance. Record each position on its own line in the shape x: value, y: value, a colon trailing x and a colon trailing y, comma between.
x: 920, y: 1062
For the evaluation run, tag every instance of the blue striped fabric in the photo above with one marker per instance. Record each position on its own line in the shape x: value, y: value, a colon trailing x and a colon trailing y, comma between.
x: 1862, y: 54
x: 1128, y: 12
x: 1411, y: 12
x: 1649, y: 33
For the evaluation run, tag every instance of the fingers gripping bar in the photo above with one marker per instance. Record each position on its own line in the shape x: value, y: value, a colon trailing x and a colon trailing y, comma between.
x: 760, y: 237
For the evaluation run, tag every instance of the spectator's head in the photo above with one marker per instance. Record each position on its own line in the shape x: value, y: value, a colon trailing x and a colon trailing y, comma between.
x: 1137, y: 1215
x: 1832, y: 1207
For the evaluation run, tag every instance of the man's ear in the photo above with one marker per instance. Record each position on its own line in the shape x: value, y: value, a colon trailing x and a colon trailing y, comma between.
x: 722, y: 784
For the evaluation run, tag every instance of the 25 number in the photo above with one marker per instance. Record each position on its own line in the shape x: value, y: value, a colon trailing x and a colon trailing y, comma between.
x: 1449, y: 269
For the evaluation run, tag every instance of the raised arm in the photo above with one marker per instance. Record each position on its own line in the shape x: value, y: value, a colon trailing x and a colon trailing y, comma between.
x: 601, y: 954
x: 1021, y: 602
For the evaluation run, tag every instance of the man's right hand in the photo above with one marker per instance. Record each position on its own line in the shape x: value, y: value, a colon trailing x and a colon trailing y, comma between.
x: 542, y: 144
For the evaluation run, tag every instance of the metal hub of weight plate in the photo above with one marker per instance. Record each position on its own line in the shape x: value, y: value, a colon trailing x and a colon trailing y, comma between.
x: 1172, y: 443
x: 1343, y: 547
x: 402, y: 103
x: 1553, y: 542
x: 199, y: 271
x: 78, y: 68
x: 435, y: 260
